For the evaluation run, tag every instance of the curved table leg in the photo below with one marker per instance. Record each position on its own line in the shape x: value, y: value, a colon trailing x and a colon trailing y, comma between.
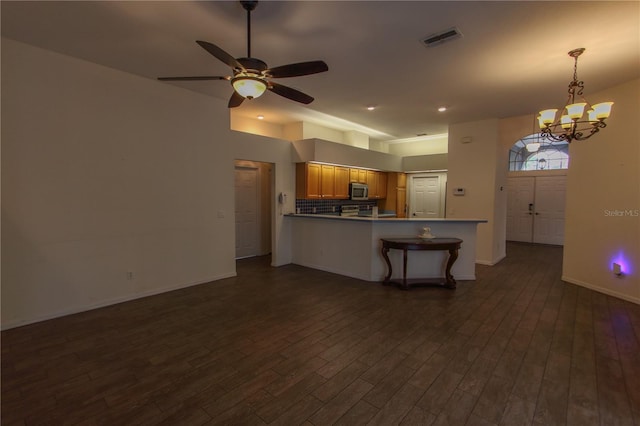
x: 450, y: 281
x: 385, y: 251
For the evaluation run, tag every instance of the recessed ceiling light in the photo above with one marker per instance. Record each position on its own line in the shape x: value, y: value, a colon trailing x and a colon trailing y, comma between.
x: 442, y: 109
x: 371, y: 107
x: 261, y: 117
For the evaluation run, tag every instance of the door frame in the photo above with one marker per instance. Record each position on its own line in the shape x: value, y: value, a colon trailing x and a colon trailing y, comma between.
x: 443, y: 190
x: 536, y: 174
x: 266, y: 215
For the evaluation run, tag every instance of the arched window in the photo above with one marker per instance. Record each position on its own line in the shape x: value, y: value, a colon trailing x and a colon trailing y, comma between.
x: 533, y: 152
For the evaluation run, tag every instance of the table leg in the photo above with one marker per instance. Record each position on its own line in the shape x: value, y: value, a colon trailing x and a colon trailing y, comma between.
x: 385, y: 251
x: 404, y: 271
x: 450, y: 281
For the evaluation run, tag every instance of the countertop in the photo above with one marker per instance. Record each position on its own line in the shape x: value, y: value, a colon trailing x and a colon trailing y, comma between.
x: 380, y: 218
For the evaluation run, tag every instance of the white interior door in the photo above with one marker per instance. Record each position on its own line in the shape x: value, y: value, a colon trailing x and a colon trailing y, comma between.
x: 425, y: 196
x: 247, y: 205
x: 520, y: 204
x: 549, y: 210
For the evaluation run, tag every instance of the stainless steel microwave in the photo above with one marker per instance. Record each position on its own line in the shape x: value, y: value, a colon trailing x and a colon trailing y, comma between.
x: 358, y: 191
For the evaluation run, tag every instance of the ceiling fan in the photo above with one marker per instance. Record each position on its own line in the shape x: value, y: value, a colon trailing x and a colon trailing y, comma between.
x: 251, y: 76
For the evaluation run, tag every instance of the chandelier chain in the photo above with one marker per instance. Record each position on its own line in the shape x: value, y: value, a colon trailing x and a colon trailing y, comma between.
x: 575, y: 83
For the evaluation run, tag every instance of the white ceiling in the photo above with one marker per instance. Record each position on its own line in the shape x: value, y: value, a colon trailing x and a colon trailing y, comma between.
x: 512, y: 58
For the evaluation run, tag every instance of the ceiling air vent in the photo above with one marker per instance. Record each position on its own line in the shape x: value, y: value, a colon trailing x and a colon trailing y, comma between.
x: 442, y: 37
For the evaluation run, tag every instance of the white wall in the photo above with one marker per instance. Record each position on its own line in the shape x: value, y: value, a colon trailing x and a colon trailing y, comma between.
x: 436, y: 144
x: 254, y: 126
x: 604, y: 177
x: 357, y: 139
x: 105, y: 173
x: 425, y: 162
x: 337, y: 153
x: 479, y: 168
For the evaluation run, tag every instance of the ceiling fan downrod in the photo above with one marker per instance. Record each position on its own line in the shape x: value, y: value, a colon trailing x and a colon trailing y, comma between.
x: 249, y: 5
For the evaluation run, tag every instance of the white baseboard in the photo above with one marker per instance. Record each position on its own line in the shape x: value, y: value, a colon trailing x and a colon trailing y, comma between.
x: 490, y: 262
x: 22, y: 322
x: 601, y: 290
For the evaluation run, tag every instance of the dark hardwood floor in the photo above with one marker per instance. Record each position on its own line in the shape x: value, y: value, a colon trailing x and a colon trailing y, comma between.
x: 291, y: 345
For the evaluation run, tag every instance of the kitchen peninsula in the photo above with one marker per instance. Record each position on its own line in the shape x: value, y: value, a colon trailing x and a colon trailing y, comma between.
x: 351, y: 246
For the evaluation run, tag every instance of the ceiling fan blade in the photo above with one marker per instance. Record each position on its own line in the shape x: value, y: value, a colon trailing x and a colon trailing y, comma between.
x: 220, y: 54
x: 193, y: 78
x: 289, y: 93
x: 301, y: 68
x: 235, y: 100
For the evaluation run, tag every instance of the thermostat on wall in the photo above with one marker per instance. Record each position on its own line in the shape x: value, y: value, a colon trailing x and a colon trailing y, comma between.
x: 458, y: 191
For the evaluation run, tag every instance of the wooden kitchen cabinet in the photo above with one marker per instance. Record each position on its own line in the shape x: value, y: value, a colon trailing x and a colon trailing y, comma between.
x: 321, y: 181
x: 382, y: 184
x: 308, y: 180
x: 402, y: 180
x: 342, y: 178
x: 358, y: 175
x: 401, y: 202
x: 377, y: 183
x: 372, y: 183
x: 397, y: 194
x: 362, y: 176
x: 327, y: 181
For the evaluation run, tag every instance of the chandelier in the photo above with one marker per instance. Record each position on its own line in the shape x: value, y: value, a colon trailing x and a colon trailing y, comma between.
x: 570, y: 124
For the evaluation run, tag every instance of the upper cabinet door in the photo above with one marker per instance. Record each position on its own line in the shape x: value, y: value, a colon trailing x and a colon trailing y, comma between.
x: 328, y: 181
x: 382, y: 185
x: 342, y: 178
x: 372, y: 183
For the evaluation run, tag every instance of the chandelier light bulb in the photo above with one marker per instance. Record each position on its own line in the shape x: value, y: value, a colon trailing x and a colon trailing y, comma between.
x: 548, y: 116
x: 602, y: 110
x: 575, y: 111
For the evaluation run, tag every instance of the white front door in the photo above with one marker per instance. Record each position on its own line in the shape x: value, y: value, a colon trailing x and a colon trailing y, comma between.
x: 425, y: 196
x: 549, y: 210
x: 535, y: 209
x: 520, y: 202
x: 247, y: 203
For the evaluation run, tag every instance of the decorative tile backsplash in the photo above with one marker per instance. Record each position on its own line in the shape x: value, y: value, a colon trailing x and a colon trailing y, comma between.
x: 330, y: 206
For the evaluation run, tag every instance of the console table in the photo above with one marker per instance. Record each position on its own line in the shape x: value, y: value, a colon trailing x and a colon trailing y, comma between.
x: 447, y: 244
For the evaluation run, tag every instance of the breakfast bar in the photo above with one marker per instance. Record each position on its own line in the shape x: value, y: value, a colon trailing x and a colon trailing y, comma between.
x: 352, y: 246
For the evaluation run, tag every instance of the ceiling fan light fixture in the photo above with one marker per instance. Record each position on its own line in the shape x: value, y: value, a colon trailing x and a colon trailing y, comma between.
x: 249, y: 87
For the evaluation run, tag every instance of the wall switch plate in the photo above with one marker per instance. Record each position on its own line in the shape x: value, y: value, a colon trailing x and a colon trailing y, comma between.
x: 458, y: 191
